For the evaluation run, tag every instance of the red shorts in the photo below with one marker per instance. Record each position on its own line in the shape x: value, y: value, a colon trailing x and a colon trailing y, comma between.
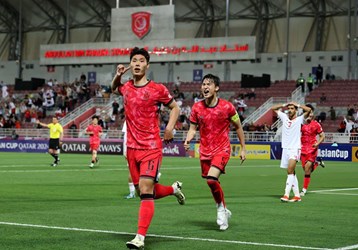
x: 144, y: 163
x: 94, y: 146
x: 218, y: 161
x: 309, y: 157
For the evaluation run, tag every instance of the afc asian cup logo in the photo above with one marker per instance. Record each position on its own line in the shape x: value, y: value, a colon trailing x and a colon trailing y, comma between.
x: 141, y: 23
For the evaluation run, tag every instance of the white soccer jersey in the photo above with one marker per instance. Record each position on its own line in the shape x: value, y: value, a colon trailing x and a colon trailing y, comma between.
x: 291, y: 131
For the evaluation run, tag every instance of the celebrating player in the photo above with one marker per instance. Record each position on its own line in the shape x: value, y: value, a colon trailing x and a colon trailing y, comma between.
x: 309, y: 131
x: 56, y: 135
x: 212, y: 116
x: 142, y: 98
x: 95, y: 132
x: 291, y: 145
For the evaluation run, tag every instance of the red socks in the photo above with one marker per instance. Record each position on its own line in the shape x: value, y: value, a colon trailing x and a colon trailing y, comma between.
x: 161, y: 191
x: 306, y: 181
x: 216, y: 191
x: 146, y: 212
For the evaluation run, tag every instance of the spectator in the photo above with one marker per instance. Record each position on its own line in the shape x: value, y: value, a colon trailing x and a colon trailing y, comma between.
x: 350, y: 110
x: 115, y: 108
x: 342, y: 127
x: 323, y: 98
x: 349, y: 125
x: 14, y: 136
x: 73, y: 129
x: 319, y: 74
x: 177, y: 82
x: 251, y: 94
x: 241, y: 106
x: 322, y: 117
x: 310, y: 81
x: 301, y: 82
x: 5, y: 93
x: 332, y: 112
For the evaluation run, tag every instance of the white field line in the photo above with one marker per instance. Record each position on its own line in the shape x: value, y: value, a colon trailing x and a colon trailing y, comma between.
x: 333, y: 190
x: 161, y: 236
x: 347, y: 247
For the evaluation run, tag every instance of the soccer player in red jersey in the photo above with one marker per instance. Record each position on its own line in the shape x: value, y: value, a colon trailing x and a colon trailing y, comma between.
x: 95, y: 132
x: 213, y: 116
x: 309, y: 131
x: 142, y: 100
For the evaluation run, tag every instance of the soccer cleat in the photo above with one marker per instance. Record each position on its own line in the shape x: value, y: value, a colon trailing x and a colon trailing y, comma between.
x: 295, y: 199
x: 178, y: 193
x: 303, y: 192
x: 130, y: 196
x: 54, y: 165
x: 91, y: 165
x: 223, y: 217
x: 320, y: 162
x: 135, y: 244
x: 284, y: 198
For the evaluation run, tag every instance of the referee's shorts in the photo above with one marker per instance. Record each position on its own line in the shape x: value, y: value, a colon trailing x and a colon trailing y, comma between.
x: 54, y: 143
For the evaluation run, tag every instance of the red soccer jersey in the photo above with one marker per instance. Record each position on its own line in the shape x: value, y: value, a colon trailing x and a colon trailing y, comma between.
x: 214, y: 127
x: 141, y: 105
x: 96, y: 129
x: 309, y: 134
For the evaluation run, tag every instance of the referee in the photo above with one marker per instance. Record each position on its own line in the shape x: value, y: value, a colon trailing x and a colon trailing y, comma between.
x: 56, y: 135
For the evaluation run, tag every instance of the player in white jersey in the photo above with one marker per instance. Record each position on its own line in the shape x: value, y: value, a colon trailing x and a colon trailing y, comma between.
x: 130, y: 183
x: 291, y: 145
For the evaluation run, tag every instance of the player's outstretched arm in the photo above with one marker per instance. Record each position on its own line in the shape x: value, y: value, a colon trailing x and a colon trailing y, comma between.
x: 42, y: 124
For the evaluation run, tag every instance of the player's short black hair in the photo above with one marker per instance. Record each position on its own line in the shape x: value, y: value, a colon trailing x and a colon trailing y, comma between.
x: 310, y: 106
x: 139, y: 51
x: 95, y: 117
x: 215, y: 79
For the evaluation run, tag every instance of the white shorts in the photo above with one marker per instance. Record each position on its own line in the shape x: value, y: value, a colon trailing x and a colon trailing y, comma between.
x: 289, y: 154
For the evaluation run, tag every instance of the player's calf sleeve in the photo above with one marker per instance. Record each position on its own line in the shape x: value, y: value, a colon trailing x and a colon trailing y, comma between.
x: 306, y: 181
x: 161, y: 191
x: 216, y: 189
x: 146, y: 212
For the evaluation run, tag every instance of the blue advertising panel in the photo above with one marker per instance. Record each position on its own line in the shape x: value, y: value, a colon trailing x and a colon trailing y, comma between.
x: 197, y: 75
x: 92, y: 77
x: 342, y: 152
x: 24, y: 146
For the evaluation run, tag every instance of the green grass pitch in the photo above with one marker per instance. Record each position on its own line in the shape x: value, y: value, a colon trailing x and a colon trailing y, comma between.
x: 74, y: 207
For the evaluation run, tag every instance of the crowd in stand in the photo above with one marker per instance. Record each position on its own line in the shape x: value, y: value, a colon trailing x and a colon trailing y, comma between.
x: 17, y: 108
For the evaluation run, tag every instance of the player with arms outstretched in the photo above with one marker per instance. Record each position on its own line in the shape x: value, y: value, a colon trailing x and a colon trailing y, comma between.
x: 213, y: 116
x: 142, y: 99
x: 95, y: 132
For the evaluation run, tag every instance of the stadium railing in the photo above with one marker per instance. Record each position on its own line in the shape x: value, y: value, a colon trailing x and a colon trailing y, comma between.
x: 255, y: 136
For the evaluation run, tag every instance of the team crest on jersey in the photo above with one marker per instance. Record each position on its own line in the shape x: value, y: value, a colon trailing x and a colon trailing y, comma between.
x: 141, y: 23
x: 146, y: 96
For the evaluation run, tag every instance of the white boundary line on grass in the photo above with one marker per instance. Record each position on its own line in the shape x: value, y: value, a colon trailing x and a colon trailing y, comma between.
x: 332, y: 190
x: 336, y: 191
x: 347, y: 247
x: 161, y: 236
